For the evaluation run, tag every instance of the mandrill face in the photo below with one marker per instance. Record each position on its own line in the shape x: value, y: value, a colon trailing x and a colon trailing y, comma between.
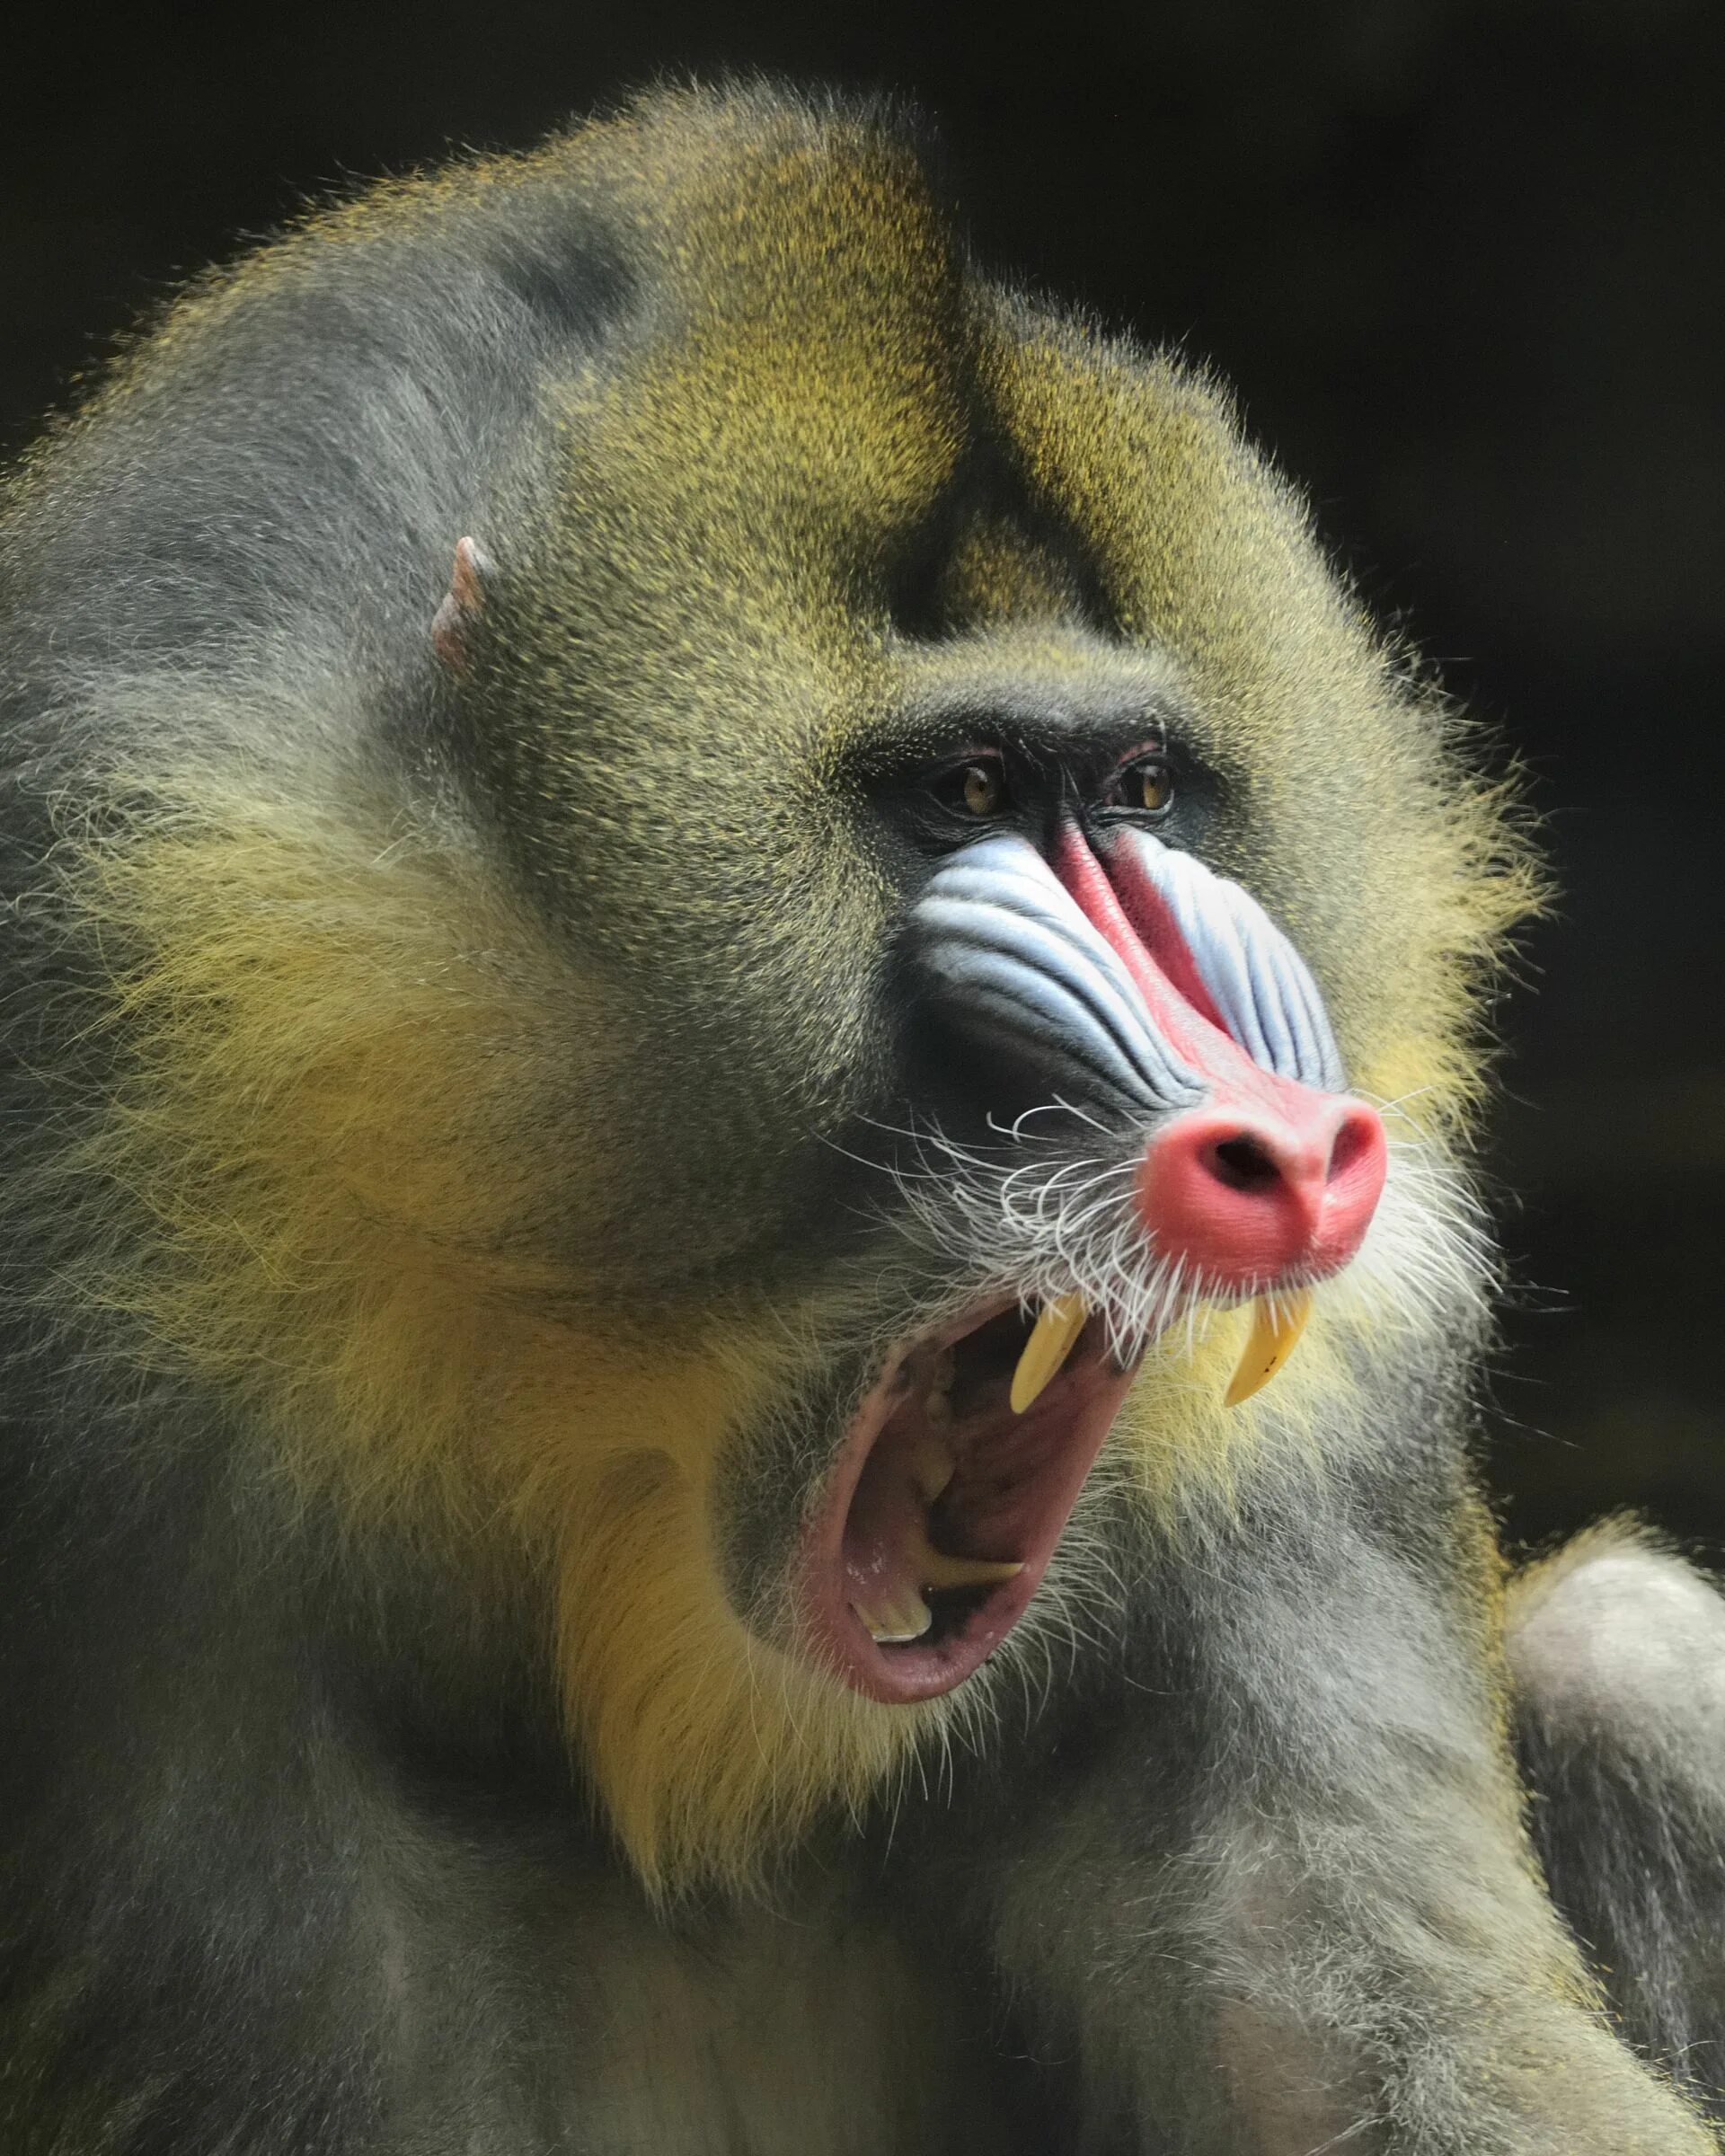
x: 1148, y: 1088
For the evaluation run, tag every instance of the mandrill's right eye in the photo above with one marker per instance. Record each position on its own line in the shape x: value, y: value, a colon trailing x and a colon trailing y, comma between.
x: 974, y: 791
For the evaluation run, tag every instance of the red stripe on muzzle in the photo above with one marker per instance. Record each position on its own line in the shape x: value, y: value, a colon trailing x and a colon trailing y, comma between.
x: 1268, y: 1180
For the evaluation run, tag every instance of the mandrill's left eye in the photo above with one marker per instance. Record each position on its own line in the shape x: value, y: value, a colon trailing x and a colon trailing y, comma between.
x: 974, y: 791
x: 1144, y: 787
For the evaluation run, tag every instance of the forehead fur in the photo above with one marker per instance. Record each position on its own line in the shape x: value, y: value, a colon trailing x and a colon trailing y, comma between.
x: 828, y: 441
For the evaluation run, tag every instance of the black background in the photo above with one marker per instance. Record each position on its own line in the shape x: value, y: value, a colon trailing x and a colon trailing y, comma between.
x: 1460, y: 261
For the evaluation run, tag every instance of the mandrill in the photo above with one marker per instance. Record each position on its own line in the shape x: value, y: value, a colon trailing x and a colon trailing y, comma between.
x: 741, y: 1297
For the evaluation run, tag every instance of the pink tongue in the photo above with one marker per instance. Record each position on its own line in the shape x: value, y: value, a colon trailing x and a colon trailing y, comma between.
x: 991, y: 1510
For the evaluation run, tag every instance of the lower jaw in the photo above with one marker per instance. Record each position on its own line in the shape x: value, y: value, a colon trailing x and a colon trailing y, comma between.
x: 1018, y: 1478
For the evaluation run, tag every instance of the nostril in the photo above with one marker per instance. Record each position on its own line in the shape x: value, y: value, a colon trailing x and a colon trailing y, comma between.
x: 1245, y: 1194
x: 1243, y: 1164
x: 1355, y: 1140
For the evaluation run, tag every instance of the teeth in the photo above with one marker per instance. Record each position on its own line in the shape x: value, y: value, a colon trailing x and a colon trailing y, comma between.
x: 906, y: 1617
x: 1275, y: 1332
x: 898, y: 1622
x: 935, y: 1568
x: 1047, y: 1348
x: 931, y: 1468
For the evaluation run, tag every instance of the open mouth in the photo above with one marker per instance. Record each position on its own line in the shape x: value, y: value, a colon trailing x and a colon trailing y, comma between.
x: 946, y: 1502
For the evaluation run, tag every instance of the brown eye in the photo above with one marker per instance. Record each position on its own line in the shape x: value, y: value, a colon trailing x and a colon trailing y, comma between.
x: 974, y: 791
x: 1144, y: 787
x: 1156, y: 788
x: 982, y: 791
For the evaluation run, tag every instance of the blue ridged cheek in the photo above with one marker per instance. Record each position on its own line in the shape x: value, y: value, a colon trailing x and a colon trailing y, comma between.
x: 1260, y: 983
x: 1013, y: 960
x: 1011, y: 955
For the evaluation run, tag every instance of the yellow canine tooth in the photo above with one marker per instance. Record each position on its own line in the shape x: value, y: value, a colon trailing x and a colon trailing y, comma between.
x: 936, y: 1570
x: 931, y: 1468
x: 1276, y: 1329
x: 900, y: 1621
x: 1047, y: 1348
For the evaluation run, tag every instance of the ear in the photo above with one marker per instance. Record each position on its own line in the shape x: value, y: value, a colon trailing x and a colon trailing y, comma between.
x: 454, y: 624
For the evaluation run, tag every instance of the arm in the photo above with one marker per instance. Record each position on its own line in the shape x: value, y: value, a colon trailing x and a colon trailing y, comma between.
x: 1288, y: 1903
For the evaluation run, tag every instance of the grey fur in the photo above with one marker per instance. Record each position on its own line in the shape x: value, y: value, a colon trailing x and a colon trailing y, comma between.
x: 1617, y: 1649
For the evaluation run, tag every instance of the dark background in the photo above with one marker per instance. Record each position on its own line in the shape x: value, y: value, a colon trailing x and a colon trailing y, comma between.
x: 1460, y: 261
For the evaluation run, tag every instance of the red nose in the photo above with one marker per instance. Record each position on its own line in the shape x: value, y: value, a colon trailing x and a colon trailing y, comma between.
x: 1246, y: 1195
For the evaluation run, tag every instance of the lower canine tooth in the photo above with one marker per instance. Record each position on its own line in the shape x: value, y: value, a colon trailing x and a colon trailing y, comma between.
x: 936, y: 1569
x: 931, y: 1469
x: 1275, y: 1333
x: 1049, y: 1344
